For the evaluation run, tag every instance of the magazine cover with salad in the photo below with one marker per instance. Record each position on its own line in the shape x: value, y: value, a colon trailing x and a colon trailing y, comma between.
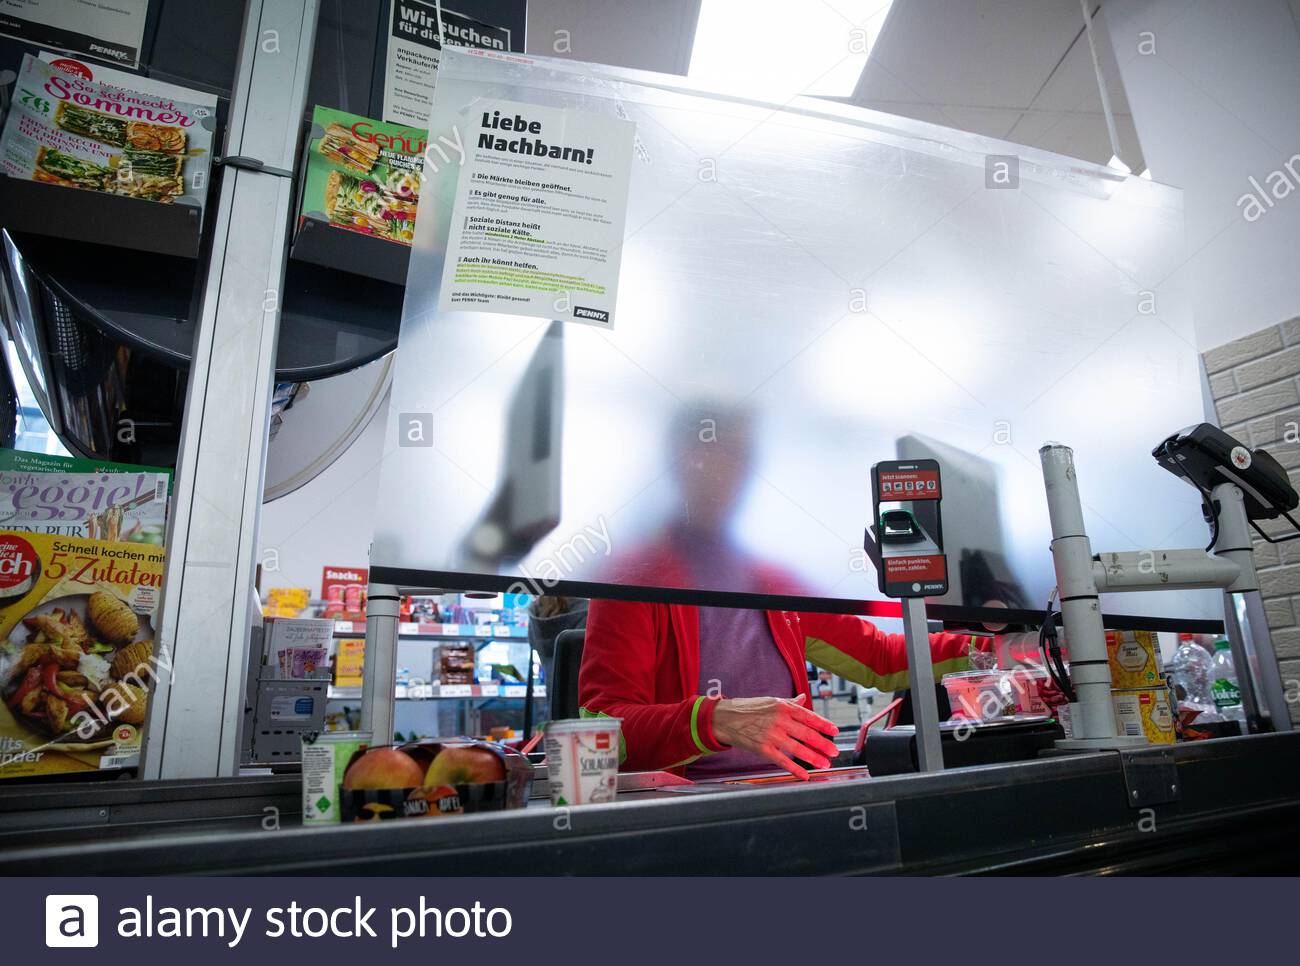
x: 363, y: 175
x: 77, y: 652
x: 66, y: 129
x: 72, y: 497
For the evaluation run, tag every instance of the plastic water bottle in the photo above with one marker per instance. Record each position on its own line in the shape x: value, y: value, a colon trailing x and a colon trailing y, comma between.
x: 1191, y: 674
x: 1227, y: 693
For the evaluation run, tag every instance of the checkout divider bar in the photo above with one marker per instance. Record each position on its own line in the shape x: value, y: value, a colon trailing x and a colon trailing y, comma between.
x: 952, y: 615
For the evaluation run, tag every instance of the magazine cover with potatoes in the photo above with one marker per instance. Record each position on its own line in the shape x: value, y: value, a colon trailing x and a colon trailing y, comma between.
x: 76, y: 651
x: 363, y: 175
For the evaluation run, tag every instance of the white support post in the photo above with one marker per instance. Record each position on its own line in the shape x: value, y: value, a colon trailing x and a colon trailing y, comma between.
x: 1146, y: 570
x: 1092, y: 716
x: 1233, y: 540
x: 920, y: 678
x: 1230, y: 564
x: 379, y: 675
x: 196, y: 707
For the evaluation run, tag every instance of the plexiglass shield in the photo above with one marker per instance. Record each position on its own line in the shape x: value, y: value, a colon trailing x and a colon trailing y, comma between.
x: 805, y: 289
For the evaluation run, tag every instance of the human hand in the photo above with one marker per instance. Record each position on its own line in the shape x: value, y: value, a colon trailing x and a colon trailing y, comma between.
x: 779, y: 729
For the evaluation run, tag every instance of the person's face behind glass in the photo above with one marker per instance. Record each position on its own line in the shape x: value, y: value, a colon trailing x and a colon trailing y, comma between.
x: 712, y: 470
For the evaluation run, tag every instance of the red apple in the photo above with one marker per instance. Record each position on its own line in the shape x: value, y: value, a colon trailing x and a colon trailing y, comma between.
x: 465, y: 765
x: 383, y: 768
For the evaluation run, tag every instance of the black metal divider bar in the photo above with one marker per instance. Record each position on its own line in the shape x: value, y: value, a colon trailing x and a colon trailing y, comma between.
x: 951, y: 614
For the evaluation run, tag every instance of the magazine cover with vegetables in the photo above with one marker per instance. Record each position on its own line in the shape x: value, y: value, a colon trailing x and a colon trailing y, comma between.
x: 364, y: 175
x: 72, y: 497
x: 68, y: 130
x: 77, y: 652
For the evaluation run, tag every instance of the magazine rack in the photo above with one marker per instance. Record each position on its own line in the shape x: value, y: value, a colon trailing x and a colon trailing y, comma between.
x: 93, y: 216
x: 321, y: 243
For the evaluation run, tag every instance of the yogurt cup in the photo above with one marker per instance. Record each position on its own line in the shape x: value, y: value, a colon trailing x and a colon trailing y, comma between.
x: 582, y: 760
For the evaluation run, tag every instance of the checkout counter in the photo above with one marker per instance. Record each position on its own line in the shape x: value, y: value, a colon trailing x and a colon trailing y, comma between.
x: 1228, y: 805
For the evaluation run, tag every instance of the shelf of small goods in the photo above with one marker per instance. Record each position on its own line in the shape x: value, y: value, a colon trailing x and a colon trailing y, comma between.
x: 451, y: 647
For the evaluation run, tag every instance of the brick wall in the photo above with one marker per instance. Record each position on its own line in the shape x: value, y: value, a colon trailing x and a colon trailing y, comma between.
x: 1255, y: 383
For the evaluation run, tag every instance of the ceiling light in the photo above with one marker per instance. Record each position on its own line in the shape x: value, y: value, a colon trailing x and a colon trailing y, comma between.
x: 772, y: 49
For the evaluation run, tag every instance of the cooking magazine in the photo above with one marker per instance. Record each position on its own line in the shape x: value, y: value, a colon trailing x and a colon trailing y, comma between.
x: 77, y: 652
x: 66, y: 129
x: 363, y: 175
x: 83, y: 498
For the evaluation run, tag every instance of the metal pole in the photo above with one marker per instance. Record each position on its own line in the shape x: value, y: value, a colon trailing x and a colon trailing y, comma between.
x: 379, y: 673
x: 1232, y: 539
x: 920, y: 676
x: 1262, y: 690
x: 1092, y: 716
x: 1263, y: 698
x: 528, y: 696
x: 1106, y: 110
x: 196, y: 707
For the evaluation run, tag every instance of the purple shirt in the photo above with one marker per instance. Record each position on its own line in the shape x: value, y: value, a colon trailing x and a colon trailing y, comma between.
x: 738, y: 659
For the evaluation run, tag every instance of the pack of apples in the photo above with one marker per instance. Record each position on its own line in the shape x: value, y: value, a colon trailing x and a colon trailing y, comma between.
x: 433, y: 778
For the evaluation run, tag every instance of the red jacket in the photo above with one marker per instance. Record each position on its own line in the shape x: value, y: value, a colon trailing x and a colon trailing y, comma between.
x: 641, y: 663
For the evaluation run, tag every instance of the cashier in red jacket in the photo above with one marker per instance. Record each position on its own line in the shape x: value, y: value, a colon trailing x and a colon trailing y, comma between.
x: 714, y: 691
x: 711, y: 691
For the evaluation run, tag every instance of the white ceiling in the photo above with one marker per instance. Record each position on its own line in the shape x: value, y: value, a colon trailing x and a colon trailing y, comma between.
x: 645, y: 34
x: 1014, y: 69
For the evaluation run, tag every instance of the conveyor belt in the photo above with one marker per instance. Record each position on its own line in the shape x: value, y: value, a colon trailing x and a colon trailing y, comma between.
x: 1228, y: 805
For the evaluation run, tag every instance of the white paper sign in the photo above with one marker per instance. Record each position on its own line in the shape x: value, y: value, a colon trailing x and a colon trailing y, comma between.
x: 93, y: 28
x: 411, y: 65
x: 537, y: 226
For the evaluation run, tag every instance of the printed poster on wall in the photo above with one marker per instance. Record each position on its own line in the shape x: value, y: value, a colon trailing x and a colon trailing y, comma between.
x: 413, y: 51
x: 537, y: 226
x: 109, y: 31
